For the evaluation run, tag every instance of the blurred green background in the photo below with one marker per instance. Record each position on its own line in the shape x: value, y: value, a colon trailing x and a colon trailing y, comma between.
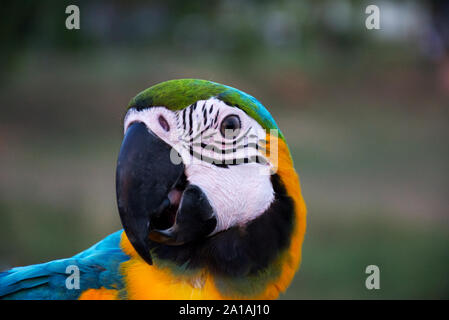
x: 365, y: 113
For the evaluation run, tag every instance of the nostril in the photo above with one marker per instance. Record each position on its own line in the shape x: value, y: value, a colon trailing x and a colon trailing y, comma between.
x: 163, y: 122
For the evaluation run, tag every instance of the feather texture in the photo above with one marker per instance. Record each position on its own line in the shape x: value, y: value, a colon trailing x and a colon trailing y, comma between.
x: 98, y: 267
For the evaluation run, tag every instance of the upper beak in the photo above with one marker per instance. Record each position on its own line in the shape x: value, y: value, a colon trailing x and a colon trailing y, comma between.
x: 144, y: 178
x: 145, y: 174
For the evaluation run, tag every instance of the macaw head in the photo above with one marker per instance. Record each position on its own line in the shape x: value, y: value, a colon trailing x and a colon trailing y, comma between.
x: 204, y: 177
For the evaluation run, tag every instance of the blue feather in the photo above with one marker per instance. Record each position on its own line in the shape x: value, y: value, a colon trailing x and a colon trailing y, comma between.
x: 99, y: 267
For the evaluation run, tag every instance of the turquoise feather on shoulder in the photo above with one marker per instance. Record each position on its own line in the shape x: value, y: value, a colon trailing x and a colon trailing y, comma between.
x: 98, y: 267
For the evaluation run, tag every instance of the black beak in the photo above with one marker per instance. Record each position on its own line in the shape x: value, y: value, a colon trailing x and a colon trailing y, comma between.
x: 144, y: 178
x: 145, y: 174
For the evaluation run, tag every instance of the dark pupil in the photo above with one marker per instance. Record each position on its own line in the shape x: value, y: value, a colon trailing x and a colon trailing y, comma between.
x: 230, y: 126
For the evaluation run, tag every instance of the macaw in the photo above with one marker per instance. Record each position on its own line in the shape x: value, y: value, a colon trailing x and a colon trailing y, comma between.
x: 209, y: 200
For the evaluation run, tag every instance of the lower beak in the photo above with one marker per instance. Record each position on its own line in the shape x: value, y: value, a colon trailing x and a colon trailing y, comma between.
x: 146, y: 179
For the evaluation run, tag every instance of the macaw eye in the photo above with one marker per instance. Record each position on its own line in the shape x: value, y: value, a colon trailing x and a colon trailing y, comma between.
x: 230, y: 126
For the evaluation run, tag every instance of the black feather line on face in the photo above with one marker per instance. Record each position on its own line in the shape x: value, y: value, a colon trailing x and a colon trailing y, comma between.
x: 204, y: 114
x: 190, y: 120
x: 216, y: 117
x: 240, y: 251
x: 184, y: 119
x: 214, y: 148
x: 190, y: 139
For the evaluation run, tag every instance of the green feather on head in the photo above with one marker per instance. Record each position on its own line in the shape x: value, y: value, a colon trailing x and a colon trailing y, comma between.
x: 179, y: 94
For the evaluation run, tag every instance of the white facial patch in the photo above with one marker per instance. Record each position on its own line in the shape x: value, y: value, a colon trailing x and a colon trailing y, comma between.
x: 238, y: 192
